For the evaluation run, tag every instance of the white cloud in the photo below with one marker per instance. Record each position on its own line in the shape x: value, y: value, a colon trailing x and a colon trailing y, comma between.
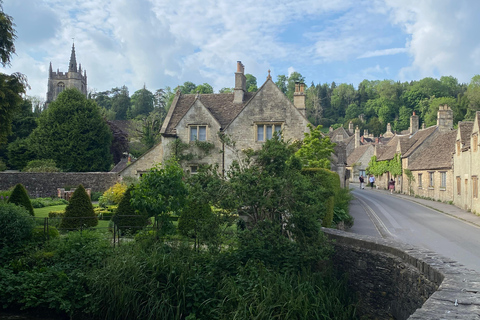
x: 384, y: 52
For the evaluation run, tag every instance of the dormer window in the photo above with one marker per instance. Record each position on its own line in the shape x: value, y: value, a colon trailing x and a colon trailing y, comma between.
x: 198, y: 133
x: 265, y: 131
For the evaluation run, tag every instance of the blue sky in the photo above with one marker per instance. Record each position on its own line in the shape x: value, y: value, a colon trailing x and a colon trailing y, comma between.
x: 163, y: 43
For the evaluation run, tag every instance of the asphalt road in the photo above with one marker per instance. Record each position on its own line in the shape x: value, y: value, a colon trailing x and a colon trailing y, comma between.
x: 380, y: 214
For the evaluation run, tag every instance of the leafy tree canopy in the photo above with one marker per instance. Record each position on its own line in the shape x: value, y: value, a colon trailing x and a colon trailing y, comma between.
x: 73, y: 133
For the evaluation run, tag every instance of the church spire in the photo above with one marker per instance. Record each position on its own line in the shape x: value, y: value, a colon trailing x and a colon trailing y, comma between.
x: 72, y: 67
x: 50, y: 71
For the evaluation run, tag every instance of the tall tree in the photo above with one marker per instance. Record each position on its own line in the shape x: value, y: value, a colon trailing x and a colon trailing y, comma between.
x: 251, y: 83
x: 73, y: 133
x: 142, y: 102
x: 121, y: 102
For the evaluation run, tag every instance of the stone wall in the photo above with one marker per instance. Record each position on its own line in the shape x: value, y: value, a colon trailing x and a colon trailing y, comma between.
x: 46, y: 184
x: 397, y: 281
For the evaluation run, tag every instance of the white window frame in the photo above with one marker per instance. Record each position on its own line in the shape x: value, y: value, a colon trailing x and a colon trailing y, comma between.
x: 431, y: 179
x: 443, y: 180
x: 197, y: 136
x: 264, y: 130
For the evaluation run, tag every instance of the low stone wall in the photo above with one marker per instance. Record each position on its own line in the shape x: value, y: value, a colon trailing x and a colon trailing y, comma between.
x: 46, y: 184
x: 398, y: 281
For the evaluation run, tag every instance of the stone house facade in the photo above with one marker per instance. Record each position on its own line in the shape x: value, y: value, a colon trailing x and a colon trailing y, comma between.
x: 466, y: 167
x: 199, y: 128
x: 59, y: 81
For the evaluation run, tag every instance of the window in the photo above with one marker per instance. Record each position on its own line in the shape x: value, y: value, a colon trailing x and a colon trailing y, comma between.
x: 265, y: 131
x: 475, y: 142
x: 198, y: 133
x: 431, y: 182
x: 60, y: 87
x: 193, y: 169
x: 459, y: 185
x: 475, y: 186
x: 443, y: 180
x: 419, y: 180
x: 362, y: 173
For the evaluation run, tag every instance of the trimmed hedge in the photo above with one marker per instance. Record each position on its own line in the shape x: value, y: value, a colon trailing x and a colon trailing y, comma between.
x: 20, y: 197
x: 126, y: 217
x: 79, y: 212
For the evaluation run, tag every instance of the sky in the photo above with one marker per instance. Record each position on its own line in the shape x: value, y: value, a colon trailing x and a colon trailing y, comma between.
x: 160, y: 43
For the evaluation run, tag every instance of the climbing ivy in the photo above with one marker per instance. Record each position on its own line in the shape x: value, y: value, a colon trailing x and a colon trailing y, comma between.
x: 179, y: 149
x: 377, y: 168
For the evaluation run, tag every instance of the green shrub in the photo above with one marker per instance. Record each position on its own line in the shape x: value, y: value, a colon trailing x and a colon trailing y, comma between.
x: 197, y: 221
x: 20, y: 197
x: 39, y: 234
x: 3, y: 166
x: 126, y: 217
x: 96, y: 195
x: 16, y: 227
x: 4, y: 195
x: 42, y: 165
x: 79, y: 212
x: 113, y: 195
x: 56, y: 214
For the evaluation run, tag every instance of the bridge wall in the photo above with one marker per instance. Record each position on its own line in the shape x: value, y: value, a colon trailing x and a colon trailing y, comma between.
x: 394, y: 280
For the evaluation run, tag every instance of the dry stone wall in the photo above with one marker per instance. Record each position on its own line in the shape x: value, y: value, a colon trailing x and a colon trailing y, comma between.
x: 46, y: 184
x: 398, y: 281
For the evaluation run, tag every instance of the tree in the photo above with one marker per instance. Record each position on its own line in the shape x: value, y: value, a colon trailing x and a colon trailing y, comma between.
x: 120, y: 103
x: 79, y: 211
x: 119, y: 144
x: 126, y: 217
x: 204, y: 88
x: 142, y: 102
x: 11, y: 89
x: 20, y: 197
x: 316, y: 149
x: 73, y: 133
x: 473, y: 95
x: 161, y: 191
x: 7, y: 37
x: 19, y: 153
x: 251, y: 83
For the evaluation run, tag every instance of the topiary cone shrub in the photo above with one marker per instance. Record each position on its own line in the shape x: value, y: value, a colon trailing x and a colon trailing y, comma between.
x: 79, y: 211
x: 126, y: 217
x: 20, y: 197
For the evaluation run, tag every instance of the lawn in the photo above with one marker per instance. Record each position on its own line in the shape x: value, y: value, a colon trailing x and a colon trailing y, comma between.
x: 43, y: 213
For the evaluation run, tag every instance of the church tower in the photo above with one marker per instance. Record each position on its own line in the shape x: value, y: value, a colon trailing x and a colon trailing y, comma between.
x: 59, y: 81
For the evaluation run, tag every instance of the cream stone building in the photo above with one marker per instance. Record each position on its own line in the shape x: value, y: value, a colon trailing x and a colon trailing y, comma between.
x: 466, y: 165
x: 204, y: 129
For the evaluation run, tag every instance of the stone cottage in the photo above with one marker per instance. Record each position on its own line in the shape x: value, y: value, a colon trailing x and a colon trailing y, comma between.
x: 466, y: 165
x: 202, y: 129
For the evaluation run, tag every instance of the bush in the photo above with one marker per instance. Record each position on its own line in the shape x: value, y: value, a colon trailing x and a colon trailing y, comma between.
x: 56, y: 214
x: 96, y: 195
x: 4, y: 195
x: 39, y: 234
x: 198, y: 221
x: 20, y: 197
x: 43, y: 165
x: 79, y: 212
x: 3, y: 166
x: 16, y: 227
x: 126, y: 217
x: 113, y: 195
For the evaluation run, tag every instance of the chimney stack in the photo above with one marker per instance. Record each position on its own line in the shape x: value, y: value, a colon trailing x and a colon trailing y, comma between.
x: 240, y: 83
x: 445, y: 118
x: 350, y: 127
x: 365, y: 133
x: 414, y: 123
x: 299, y: 97
x: 357, y: 137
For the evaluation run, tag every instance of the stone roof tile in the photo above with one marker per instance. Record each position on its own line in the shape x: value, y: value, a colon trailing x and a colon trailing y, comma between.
x: 438, y: 155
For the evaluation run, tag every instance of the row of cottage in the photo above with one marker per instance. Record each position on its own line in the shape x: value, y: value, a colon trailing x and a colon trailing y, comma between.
x: 438, y: 162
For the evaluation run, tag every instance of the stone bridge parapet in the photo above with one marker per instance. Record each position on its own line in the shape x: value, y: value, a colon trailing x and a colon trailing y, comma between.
x: 398, y: 281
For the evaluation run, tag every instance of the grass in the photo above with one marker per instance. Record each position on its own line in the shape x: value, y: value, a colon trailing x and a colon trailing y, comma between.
x: 43, y: 213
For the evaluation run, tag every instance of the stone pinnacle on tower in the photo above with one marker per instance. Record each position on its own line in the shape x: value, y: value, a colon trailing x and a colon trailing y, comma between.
x: 73, y: 61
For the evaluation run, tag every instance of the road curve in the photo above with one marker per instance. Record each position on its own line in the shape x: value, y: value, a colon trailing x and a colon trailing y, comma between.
x: 383, y: 215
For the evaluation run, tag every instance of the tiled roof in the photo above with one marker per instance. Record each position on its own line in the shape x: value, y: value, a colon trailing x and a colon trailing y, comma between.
x: 220, y: 105
x: 466, y: 128
x: 438, y: 154
x: 357, y: 154
x: 417, y: 139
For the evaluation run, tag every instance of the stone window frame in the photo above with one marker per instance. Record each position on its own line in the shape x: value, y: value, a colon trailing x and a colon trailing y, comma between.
x: 420, y: 180
x: 459, y: 185
x: 475, y: 187
x: 197, y: 127
x: 265, y: 125
x: 193, y: 168
x: 443, y: 180
x: 60, y: 87
x: 431, y: 179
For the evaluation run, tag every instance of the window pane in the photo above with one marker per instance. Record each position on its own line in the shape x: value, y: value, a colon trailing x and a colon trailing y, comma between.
x: 193, y: 133
x: 260, y: 133
x: 202, y: 133
x: 278, y: 128
x: 269, y: 132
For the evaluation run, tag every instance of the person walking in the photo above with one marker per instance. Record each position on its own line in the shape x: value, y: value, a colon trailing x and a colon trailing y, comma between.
x: 361, y: 182
x: 371, y: 180
x: 391, y: 185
